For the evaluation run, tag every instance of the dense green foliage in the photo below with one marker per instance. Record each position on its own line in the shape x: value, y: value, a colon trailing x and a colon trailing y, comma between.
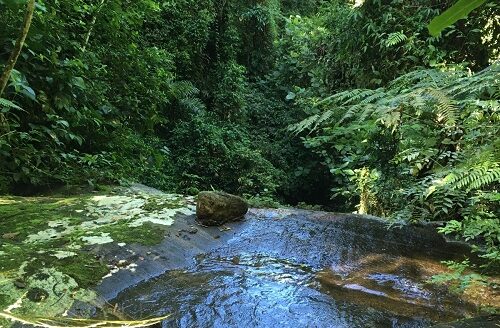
x: 436, y: 139
x: 324, y: 102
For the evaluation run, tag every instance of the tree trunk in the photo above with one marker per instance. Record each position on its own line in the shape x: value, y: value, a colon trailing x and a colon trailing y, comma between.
x: 11, y: 62
x: 92, y: 24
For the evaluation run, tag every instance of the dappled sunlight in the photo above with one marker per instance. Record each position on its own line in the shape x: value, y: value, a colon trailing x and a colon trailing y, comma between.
x: 249, y: 163
x: 52, y: 251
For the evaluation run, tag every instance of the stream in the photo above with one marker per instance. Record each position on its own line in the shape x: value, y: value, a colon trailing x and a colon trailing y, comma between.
x: 135, y: 253
x: 300, y: 269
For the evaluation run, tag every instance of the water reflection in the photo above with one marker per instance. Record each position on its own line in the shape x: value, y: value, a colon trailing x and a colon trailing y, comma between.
x: 303, y: 271
x: 254, y: 291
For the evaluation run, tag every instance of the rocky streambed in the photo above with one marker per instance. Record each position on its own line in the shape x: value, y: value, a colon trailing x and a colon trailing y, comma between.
x: 136, y: 253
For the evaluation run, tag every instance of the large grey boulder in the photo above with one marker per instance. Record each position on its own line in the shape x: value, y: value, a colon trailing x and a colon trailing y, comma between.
x: 214, y: 208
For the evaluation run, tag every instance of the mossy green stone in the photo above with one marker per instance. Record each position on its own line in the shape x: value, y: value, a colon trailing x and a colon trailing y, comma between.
x: 54, y: 242
x: 215, y: 208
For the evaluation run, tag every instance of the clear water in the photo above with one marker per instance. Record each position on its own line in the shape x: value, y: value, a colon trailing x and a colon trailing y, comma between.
x: 300, y: 272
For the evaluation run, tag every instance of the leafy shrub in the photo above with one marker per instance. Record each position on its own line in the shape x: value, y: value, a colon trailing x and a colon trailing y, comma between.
x: 229, y: 95
x: 460, y: 277
x: 444, y: 172
x: 208, y: 153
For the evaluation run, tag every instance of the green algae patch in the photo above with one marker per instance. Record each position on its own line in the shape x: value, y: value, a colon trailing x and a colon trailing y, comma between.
x: 101, y: 239
x: 147, y: 234
x: 84, y: 268
x: 21, y: 217
x: 49, y: 292
x: 139, y: 208
x: 49, y: 245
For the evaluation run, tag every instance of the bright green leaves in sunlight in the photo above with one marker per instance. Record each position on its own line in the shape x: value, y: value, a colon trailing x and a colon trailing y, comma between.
x: 458, y: 11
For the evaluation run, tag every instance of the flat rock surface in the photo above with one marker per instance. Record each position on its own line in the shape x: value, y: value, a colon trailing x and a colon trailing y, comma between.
x: 279, y: 267
x: 296, y: 268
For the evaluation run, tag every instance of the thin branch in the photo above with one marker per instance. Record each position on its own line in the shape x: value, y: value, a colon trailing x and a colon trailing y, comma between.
x: 11, y: 62
x: 92, y: 24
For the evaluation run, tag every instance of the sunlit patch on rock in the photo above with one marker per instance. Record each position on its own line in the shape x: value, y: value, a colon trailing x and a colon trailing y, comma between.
x: 63, y: 254
x: 104, y: 238
x: 46, y: 253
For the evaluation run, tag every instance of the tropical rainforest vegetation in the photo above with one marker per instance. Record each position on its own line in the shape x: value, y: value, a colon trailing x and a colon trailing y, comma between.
x: 349, y: 106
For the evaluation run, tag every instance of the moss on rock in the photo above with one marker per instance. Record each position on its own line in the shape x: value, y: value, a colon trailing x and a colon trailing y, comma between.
x: 46, y: 243
x: 147, y: 234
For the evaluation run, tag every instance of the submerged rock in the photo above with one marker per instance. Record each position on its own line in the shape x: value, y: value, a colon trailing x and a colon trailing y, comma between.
x: 295, y: 268
x: 215, y: 208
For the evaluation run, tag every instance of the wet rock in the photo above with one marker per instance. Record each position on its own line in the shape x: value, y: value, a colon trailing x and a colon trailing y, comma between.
x: 191, y: 230
x: 294, y: 268
x: 81, y: 309
x: 216, y: 208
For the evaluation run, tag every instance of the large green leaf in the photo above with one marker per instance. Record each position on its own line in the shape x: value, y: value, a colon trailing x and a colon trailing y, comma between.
x: 458, y: 11
x: 8, y: 104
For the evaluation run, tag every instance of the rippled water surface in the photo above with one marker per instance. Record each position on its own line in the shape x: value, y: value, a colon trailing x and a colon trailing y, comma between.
x: 300, y: 272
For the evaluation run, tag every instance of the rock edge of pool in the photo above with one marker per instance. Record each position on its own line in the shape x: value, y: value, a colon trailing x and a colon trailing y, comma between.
x: 135, y: 253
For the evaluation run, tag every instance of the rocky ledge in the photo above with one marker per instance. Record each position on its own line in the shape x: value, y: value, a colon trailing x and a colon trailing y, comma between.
x: 88, y: 255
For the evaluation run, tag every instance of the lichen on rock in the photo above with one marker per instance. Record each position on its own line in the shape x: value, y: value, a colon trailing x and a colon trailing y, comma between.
x: 215, y: 208
x: 104, y: 238
x: 46, y: 243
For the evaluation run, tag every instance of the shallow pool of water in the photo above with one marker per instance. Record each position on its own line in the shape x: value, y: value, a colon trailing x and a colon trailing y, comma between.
x: 253, y: 291
x: 303, y: 271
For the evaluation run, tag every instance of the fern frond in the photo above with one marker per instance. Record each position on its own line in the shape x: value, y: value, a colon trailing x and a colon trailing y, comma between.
x: 446, y: 108
x: 375, y: 111
x: 395, y: 39
x: 192, y: 104
x: 474, y: 178
x: 8, y: 104
x: 362, y: 94
x: 303, y: 125
x: 347, y: 97
x: 183, y: 89
x: 474, y: 85
x: 324, y: 117
x: 351, y: 111
x: 374, y: 96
